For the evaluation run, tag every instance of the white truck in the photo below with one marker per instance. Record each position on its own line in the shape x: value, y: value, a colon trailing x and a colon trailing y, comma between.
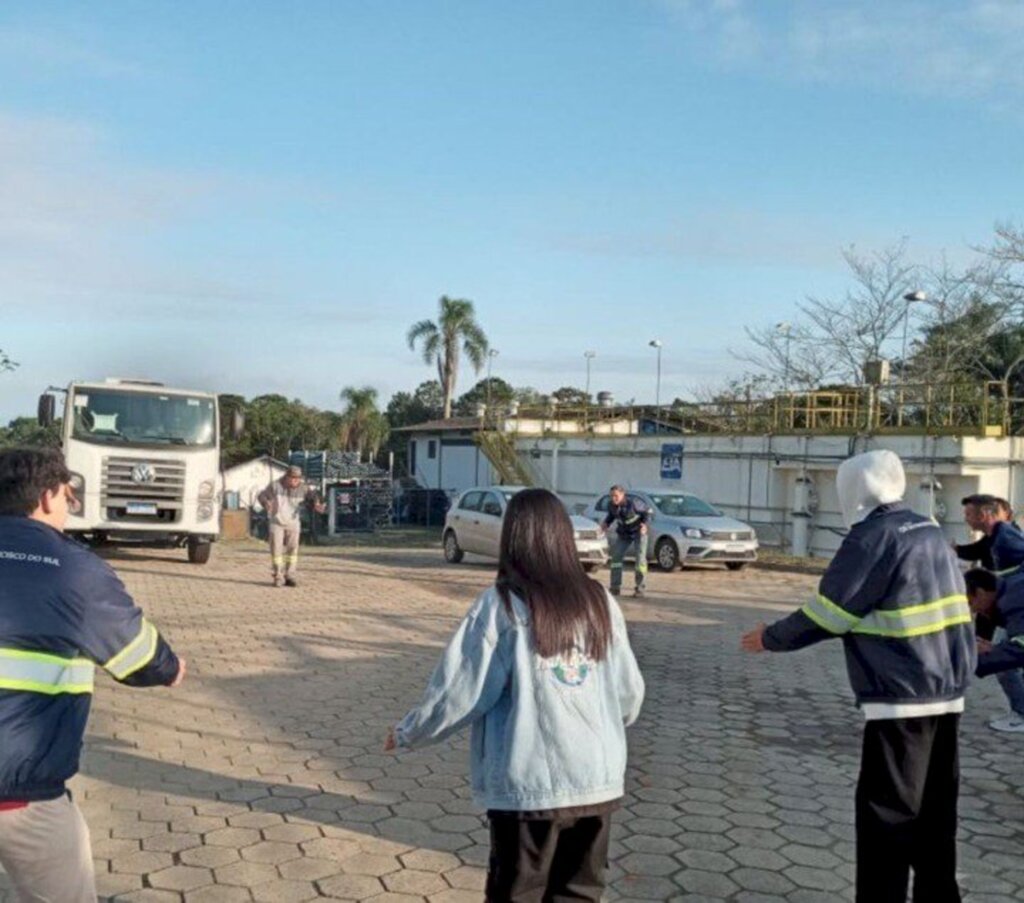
x: 145, y: 460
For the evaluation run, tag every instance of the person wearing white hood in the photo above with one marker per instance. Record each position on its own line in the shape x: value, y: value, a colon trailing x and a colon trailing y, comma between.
x: 895, y: 595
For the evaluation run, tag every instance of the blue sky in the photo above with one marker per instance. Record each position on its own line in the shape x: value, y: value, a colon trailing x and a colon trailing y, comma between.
x: 262, y: 197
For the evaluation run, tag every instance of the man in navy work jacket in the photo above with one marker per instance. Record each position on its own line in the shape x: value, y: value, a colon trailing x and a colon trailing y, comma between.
x: 1005, y: 538
x: 62, y: 611
x: 632, y: 516
x: 895, y: 595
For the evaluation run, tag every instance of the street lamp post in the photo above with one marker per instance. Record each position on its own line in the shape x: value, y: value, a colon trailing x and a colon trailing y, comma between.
x: 656, y: 343
x: 492, y: 353
x: 589, y: 355
x: 910, y: 298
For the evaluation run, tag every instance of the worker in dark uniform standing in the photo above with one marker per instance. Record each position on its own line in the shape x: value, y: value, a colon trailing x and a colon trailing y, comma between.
x: 631, y: 516
x: 62, y: 611
x: 895, y: 595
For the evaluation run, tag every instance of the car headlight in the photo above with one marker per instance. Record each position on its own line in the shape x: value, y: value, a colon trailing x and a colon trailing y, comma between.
x: 206, y: 489
x: 205, y: 511
x: 693, y: 533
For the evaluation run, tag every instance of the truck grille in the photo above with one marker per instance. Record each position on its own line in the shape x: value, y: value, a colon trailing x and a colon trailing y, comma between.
x: 165, y: 489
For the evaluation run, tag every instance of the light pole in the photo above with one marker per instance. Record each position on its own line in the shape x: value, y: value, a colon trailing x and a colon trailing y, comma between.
x: 910, y: 298
x: 589, y: 355
x: 787, y: 330
x: 656, y: 343
x: 492, y: 353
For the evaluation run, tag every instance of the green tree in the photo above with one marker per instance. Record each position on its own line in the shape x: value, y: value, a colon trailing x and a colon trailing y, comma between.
x: 364, y: 428
x: 456, y: 332
x: 26, y: 431
x: 501, y: 393
x: 570, y: 396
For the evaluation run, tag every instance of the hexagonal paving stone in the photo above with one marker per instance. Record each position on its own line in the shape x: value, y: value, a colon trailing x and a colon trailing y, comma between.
x: 246, y: 874
x: 351, y: 887
x: 181, y: 877
x: 285, y: 892
x: 271, y: 852
x: 416, y: 883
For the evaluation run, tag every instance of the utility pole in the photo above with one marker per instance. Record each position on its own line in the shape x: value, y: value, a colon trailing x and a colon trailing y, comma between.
x: 656, y: 344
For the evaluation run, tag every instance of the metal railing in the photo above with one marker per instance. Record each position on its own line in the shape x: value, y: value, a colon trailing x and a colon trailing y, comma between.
x: 972, y: 409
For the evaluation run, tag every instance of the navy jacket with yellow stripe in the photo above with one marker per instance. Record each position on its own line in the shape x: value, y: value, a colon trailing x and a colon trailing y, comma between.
x: 62, y: 611
x: 895, y: 595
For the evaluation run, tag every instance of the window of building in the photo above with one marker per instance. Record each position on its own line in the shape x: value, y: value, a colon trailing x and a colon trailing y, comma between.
x: 432, y: 449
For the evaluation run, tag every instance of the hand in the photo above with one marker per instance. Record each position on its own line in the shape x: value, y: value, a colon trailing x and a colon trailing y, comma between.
x: 603, y: 528
x: 391, y: 743
x: 754, y: 640
x: 984, y: 645
x: 643, y: 529
x: 180, y: 676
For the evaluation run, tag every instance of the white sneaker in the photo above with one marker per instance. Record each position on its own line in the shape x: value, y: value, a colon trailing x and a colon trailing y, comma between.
x: 1011, y: 724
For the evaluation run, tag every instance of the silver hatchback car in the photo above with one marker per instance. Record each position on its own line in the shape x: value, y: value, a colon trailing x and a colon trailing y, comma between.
x: 687, y: 530
x: 473, y: 524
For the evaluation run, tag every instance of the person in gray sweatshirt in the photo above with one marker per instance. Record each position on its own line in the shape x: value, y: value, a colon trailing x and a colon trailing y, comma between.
x: 542, y: 670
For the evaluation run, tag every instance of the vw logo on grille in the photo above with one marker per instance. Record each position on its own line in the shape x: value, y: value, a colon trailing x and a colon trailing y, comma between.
x: 143, y: 473
x: 734, y: 536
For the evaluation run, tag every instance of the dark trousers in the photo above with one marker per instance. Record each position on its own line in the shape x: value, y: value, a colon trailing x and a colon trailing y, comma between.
x: 906, y: 810
x: 547, y: 860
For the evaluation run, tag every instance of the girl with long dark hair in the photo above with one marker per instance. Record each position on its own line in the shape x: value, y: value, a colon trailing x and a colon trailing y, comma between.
x: 542, y: 669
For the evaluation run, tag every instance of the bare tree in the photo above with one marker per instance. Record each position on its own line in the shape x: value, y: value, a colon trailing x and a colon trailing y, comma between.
x: 833, y: 339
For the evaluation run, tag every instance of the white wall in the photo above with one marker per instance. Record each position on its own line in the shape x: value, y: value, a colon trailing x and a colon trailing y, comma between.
x: 249, y: 479
x: 754, y: 477
x: 458, y: 463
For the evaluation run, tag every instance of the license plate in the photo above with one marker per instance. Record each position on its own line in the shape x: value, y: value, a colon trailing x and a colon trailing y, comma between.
x: 735, y: 547
x: 140, y: 508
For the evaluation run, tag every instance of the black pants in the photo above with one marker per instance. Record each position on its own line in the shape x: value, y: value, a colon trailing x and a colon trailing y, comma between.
x: 906, y: 810
x: 547, y: 860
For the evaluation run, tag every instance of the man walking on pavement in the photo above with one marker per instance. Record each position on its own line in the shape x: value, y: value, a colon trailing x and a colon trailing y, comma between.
x: 1005, y: 538
x: 62, y: 611
x: 283, y: 501
x: 895, y: 595
x: 631, y: 516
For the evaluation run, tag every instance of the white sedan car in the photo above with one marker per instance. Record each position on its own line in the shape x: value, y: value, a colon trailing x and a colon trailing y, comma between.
x: 473, y: 524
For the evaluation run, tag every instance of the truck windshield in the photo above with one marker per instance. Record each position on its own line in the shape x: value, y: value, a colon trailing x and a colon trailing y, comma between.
x: 140, y: 418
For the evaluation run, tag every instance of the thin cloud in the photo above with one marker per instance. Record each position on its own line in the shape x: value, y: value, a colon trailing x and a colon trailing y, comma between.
x: 965, y: 50
x: 50, y: 50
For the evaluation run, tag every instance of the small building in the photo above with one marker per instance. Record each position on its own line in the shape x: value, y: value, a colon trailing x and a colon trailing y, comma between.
x: 250, y: 478
x: 445, y: 455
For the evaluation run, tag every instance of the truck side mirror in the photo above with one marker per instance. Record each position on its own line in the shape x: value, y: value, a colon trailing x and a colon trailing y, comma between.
x: 237, y: 423
x: 46, y: 413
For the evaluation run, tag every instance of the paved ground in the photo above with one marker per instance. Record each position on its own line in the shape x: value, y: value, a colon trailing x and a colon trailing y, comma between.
x: 262, y: 778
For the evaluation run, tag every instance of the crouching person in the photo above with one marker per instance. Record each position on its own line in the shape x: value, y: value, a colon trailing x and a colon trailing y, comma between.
x: 542, y: 669
x: 1001, y: 603
x: 895, y: 595
x: 62, y: 611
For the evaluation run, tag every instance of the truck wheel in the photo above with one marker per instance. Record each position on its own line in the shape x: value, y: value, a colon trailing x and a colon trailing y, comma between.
x: 453, y: 553
x: 735, y: 565
x: 666, y: 553
x: 199, y: 551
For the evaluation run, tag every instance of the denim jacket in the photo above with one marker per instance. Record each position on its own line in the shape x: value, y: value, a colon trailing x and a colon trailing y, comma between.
x: 546, y: 733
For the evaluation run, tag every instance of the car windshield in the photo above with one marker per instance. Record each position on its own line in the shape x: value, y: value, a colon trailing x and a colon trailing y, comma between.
x: 142, y: 418
x: 684, y: 506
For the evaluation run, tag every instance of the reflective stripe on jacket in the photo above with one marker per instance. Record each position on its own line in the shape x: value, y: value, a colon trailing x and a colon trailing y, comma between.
x: 631, y: 515
x: 62, y: 612
x: 895, y: 595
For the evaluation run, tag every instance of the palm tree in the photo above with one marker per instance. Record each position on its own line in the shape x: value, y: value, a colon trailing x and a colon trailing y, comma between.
x: 363, y: 427
x: 455, y: 331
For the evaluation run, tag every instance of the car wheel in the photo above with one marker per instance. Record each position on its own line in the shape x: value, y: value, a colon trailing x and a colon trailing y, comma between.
x: 666, y: 553
x: 735, y: 565
x: 453, y: 553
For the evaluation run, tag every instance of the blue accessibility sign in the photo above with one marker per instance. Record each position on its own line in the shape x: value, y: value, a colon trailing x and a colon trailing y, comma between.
x: 672, y: 461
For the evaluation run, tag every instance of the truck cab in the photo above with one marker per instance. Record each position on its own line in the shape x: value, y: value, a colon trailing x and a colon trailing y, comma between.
x: 145, y: 460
